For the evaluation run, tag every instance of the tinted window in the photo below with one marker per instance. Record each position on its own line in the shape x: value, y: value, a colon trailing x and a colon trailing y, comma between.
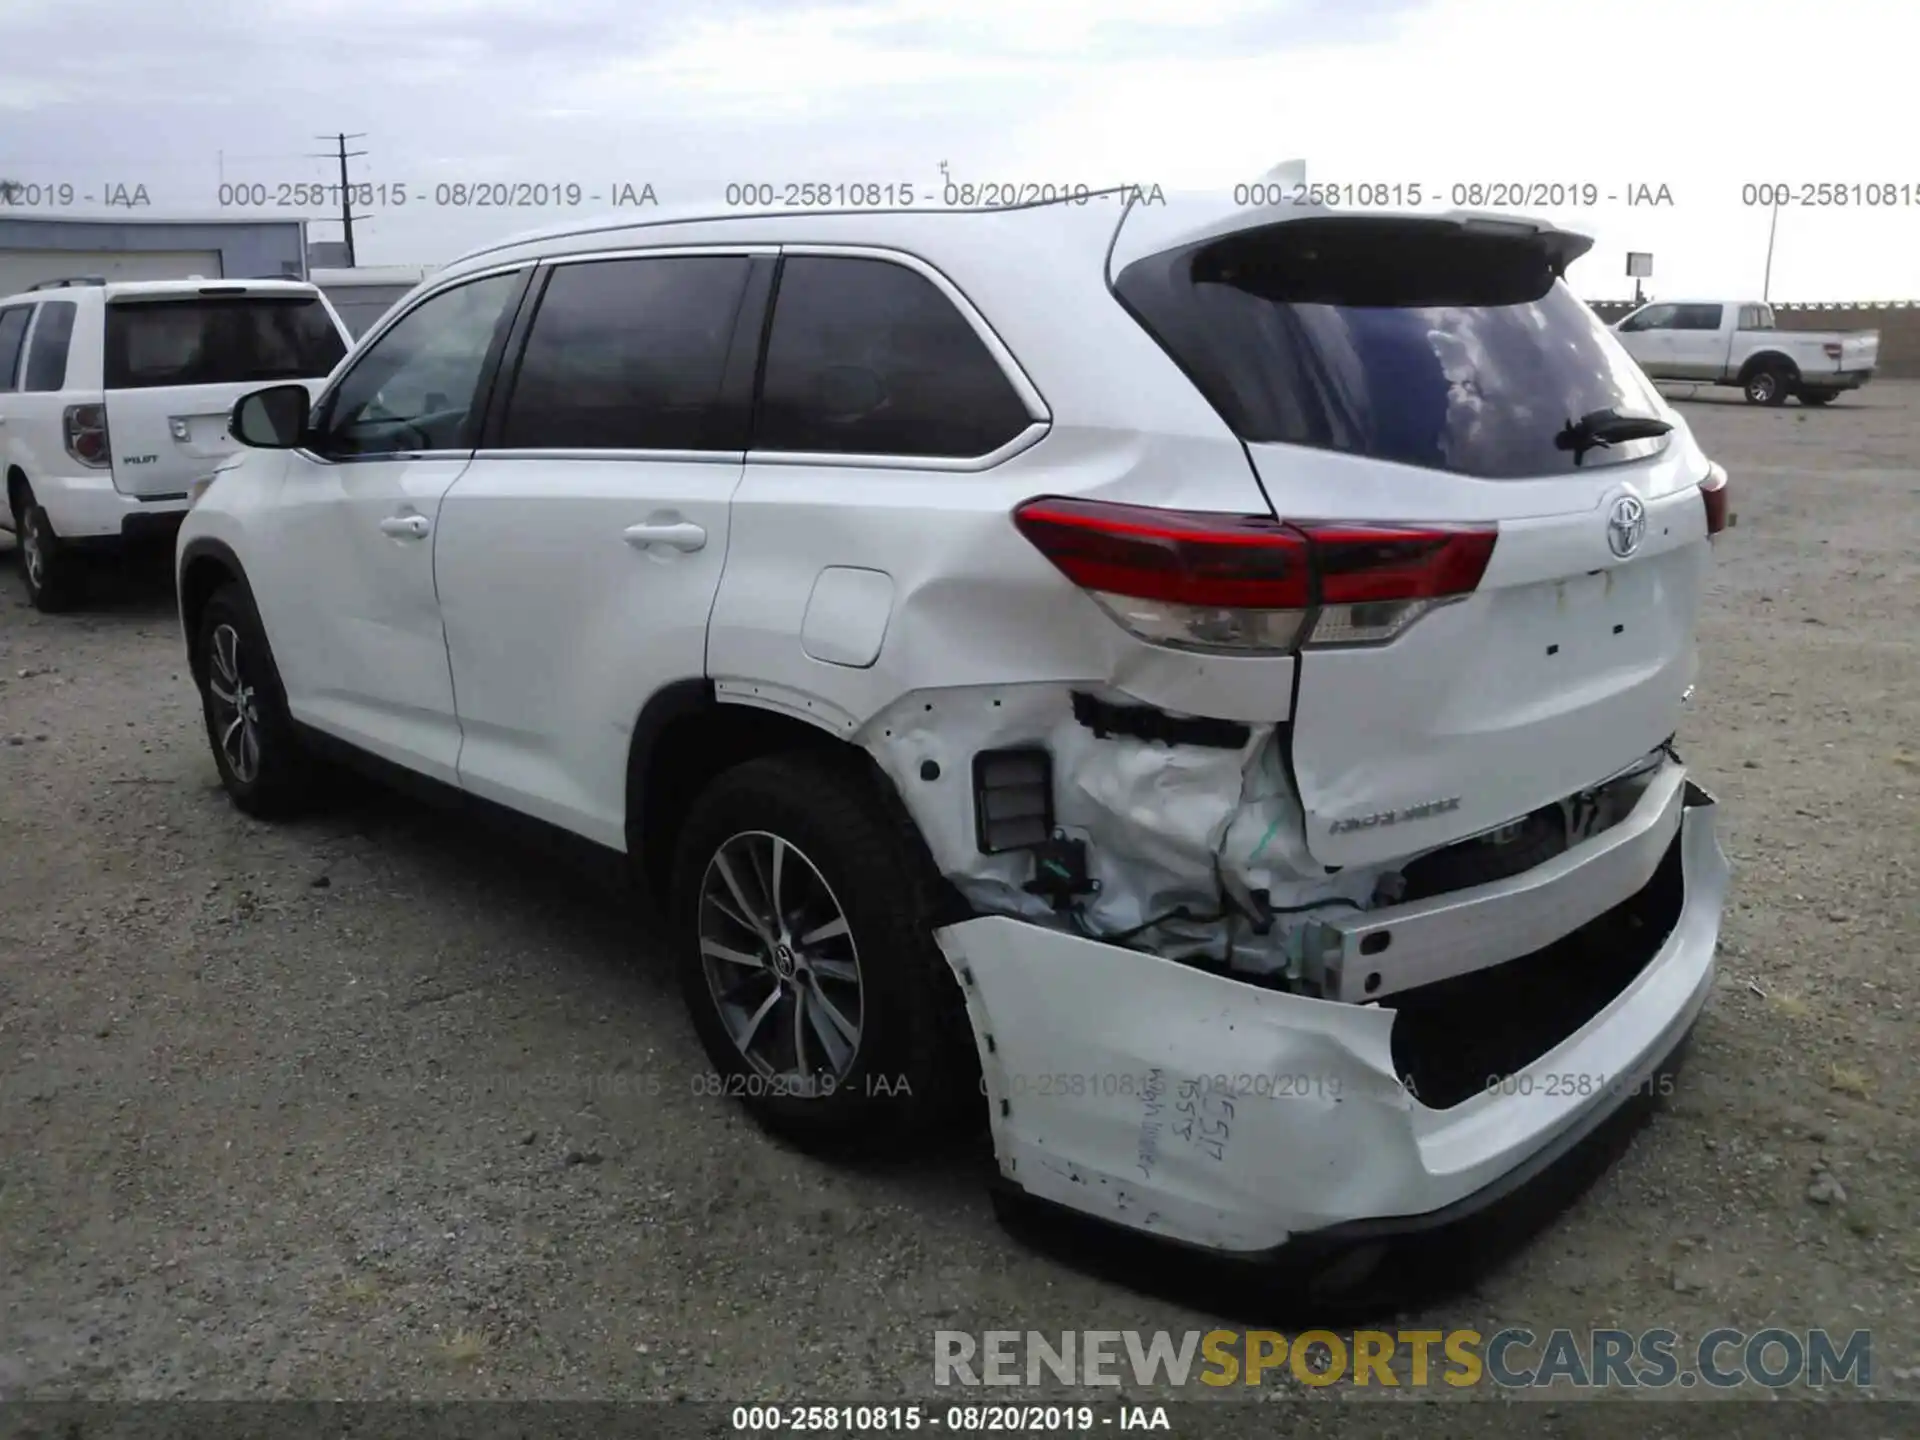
x: 629, y: 355
x: 1404, y: 341
x: 218, y: 341
x: 413, y: 388
x: 869, y: 358
x: 47, y: 356
x: 13, y: 330
x: 1698, y: 317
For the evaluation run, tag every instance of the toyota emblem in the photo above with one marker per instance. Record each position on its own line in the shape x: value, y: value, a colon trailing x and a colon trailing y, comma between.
x: 1626, y: 523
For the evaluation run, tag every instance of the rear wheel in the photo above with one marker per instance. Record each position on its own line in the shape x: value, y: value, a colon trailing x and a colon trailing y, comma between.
x: 262, y: 764
x: 51, y: 572
x: 1818, y: 397
x: 807, y: 959
x: 1768, y: 387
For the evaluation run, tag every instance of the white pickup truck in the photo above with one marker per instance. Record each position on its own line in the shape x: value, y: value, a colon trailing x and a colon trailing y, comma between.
x: 1730, y: 342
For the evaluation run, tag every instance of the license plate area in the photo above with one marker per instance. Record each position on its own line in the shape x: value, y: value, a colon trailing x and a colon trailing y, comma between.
x: 202, y: 435
x: 1586, y: 624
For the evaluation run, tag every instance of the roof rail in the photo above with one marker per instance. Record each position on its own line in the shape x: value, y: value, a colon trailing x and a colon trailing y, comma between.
x: 70, y: 280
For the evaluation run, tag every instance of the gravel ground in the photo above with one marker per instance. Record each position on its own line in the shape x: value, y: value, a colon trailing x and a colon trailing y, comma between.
x: 378, y: 1106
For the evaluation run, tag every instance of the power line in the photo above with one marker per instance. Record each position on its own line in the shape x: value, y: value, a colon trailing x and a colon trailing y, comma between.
x: 347, y: 217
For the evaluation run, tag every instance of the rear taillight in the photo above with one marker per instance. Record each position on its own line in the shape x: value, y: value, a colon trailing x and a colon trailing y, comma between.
x: 1714, y: 491
x: 87, y: 435
x: 1246, y: 583
x: 1833, y: 349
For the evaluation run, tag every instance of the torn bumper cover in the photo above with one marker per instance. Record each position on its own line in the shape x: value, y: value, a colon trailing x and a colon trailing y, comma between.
x: 1220, y: 1113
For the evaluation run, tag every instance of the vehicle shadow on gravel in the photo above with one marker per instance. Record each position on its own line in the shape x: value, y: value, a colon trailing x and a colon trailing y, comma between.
x: 581, y: 899
x: 135, y: 587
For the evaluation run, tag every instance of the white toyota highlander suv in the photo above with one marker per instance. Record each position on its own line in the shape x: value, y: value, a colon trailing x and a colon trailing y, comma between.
x: 1205, y: 681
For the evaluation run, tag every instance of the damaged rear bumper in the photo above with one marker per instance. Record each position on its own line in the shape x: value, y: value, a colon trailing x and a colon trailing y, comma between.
x: 1214, y: 1112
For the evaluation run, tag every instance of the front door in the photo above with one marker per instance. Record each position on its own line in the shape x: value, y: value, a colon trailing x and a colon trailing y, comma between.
x: 1647, y: 335
x: 353, y: 615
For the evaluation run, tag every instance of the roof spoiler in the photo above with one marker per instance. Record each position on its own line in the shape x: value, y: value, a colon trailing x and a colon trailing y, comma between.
x: 1190, y: 220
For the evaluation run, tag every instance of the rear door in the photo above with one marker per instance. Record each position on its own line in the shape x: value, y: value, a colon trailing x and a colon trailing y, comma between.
x: 177, y: 362
x: 1416, y: 373
x: 1697, y: 344
x: 578, y: 556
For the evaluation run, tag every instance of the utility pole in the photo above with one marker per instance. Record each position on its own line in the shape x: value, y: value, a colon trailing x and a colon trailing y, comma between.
x: 1766, y: 284
x: 347, y: 217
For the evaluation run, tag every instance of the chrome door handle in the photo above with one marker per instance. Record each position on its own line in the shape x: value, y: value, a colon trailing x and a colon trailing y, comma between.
x: 683, y: 535
x: 406, y: 527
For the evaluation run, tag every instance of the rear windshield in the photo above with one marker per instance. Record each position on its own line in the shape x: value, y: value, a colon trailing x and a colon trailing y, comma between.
x: 1406, y: 341
x: 218, y: 341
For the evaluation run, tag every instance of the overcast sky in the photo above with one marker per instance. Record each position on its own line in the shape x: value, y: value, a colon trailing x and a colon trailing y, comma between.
x: 1699, y: 96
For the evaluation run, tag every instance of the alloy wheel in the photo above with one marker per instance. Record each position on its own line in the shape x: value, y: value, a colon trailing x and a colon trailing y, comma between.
x: 236, y: 706
x: 33, y: 552
x: 781, y: 963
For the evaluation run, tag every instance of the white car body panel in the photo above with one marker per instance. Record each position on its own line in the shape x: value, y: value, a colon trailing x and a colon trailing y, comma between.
x: 353, y: 610
x: 540, y: 594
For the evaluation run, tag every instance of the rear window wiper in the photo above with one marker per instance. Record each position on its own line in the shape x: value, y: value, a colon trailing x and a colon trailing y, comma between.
x: 1599, y: 429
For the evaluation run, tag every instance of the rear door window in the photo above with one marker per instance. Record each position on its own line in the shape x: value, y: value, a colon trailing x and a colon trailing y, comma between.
x: 218, y: 340
x: 867, y: 357
x: 13, y: 330
x: 1406, y: 341
x: 47, y: 355
x: 631, y: 355
x: 1698, y: 317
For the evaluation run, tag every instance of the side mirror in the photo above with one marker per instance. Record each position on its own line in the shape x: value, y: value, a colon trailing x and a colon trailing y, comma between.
x: 271, y: 419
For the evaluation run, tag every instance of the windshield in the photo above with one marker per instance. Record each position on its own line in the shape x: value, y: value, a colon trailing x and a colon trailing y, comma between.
x: 219, y: 341
x: 1406, y: 341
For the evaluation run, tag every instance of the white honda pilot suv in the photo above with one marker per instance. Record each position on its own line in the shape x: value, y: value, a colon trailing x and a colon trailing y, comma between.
x: 1203, y: 681
x: 114, y: 402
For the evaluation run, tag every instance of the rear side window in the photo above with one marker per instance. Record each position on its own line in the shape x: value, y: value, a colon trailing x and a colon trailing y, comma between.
x: 47, y: 356
x: 13, y: 330
x: 630, y: 355
x: 869, y: 358
x: 218, y: 341
x: 1405, y: 341
x: 1698, y: 317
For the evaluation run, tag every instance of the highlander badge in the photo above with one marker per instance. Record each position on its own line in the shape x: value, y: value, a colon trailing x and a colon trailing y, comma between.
x: 1393, y: 817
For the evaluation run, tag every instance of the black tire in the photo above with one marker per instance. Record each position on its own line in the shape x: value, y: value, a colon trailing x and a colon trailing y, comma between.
x: 233, y: 644
x: 1818, y: 397
x: 1768, y: 386
x: 49, y: 570
x: 913, y: 1071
